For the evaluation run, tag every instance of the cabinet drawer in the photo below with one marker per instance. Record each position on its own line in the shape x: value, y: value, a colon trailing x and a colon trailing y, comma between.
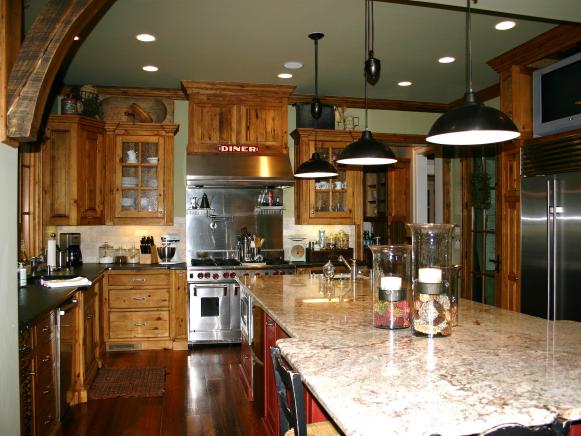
x: 45, y: 329
x: 137, y: 279
x: 45, y: 362
x: 46, y: 418
x: 123, y: 325
x: 138, y: 298
x: 46, y: 395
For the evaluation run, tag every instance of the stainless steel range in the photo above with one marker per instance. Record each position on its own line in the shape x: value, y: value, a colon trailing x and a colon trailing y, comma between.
x: 214, y: 312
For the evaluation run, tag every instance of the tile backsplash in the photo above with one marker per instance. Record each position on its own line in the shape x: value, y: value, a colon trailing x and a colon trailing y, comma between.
x: 123, y: 236
x: 126, y: 236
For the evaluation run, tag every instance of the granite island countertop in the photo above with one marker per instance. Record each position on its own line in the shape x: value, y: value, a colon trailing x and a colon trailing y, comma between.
x: 497, y: 366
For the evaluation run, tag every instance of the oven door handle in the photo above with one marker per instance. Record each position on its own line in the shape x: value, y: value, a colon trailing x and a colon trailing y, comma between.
x: 194, y: 288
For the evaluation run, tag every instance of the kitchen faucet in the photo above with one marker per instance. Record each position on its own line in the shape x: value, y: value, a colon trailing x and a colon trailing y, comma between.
x: 352, y: 268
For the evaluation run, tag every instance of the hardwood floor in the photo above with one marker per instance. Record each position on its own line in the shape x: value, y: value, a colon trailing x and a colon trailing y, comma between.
x: 203, y: 397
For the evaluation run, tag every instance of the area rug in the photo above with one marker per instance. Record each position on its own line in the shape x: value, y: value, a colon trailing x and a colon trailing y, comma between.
x: 128, y: 382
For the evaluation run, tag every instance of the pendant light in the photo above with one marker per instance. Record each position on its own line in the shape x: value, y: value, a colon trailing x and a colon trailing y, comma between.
x: 366, y: 150
x: 315, y: 167
x: 472, y: 123
x: 372, y: 64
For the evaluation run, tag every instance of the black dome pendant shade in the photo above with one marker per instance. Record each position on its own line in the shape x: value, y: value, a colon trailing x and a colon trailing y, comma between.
x: 372, y: 64
x: 366, y: 150
x: 316, y: 106
x: 316, y: 168
x: 472, y: 123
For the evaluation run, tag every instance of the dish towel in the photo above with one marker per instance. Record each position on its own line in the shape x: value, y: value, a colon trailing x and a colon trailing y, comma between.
x: 77, y: 281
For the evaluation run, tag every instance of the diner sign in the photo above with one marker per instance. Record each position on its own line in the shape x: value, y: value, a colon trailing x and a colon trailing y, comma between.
x: 238, y: 148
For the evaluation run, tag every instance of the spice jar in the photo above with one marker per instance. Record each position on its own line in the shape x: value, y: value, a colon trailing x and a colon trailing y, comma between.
x: 391, y: 285
x: 120, y: 256
x: 106, y: 253
x: 432, y: 302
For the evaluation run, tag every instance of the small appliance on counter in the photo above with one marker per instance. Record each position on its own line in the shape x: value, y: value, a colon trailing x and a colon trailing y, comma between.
x: 168, y: 252
x: 70, y: 243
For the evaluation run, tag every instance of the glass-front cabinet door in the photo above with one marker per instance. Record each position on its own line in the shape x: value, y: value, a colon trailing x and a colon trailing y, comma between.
x: 331, y: 197
x: 140, y: 182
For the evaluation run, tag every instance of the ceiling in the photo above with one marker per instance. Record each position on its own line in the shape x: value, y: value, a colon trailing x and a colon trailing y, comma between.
x: 248, y: 41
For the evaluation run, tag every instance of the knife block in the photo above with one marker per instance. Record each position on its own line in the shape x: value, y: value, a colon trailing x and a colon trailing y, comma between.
x: 149, y: 258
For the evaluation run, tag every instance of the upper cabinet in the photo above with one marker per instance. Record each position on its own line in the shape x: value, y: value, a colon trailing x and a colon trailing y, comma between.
x: 327, y: 201
x: 140, y: 186
x: 236, y: 116
x: 73, y: 161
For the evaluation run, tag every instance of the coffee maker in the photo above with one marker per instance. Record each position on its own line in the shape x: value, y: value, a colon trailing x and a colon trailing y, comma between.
x: 70, y: 243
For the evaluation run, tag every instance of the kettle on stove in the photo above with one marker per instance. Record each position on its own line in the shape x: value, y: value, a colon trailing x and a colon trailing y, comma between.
x: 204, y: 202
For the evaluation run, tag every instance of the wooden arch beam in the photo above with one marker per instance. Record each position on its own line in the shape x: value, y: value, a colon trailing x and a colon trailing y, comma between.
x: 41, y: 55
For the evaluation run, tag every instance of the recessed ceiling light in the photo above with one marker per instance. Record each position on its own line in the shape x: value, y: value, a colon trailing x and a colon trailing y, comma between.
x: 145, y: 37
x: 285, y: 75
x: 404, y: 83
x: 505, y: 25
x: 293, y: 65
x: 76, y: 38
x: 446, y: 60
x: 150, y: 68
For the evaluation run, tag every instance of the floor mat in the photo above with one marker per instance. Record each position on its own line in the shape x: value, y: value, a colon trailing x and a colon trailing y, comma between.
x: 128, y: 382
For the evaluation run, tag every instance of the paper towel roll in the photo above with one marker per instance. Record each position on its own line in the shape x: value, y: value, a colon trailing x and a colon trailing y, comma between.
x: 51, y: 253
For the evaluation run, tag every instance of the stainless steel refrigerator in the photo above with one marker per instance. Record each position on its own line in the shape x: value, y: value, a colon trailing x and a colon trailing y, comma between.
x: 551, y: 245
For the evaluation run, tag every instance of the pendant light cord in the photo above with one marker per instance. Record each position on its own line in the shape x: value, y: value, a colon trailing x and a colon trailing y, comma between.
x: 468, y: 49
x: 365, y: 56
x: 316, y: 68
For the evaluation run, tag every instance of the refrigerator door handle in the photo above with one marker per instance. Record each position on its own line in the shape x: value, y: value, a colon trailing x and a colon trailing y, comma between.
x: 549, y: 213
x: 555, y: 211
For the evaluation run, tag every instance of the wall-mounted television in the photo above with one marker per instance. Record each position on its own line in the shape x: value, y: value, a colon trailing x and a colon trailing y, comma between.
x: 557, y: 97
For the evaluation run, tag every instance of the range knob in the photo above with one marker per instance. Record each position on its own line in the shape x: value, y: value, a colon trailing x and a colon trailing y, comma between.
x: 226, y: 274
x: 207, y: 275
x: 215, y: 276
x: 200, y: 275
x: 257, y: 274
x: 232, y: 274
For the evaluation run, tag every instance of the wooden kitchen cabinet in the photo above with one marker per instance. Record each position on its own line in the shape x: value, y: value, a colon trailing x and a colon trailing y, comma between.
x: 240, y: 114
x: 387, y: 200
x: 38, y: 398
x: 327, y: 201
x: 73, y: 160
x: 145, y: 309
x: 140, y: 186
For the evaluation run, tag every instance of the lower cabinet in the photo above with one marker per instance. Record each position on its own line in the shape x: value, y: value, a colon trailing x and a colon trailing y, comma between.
x: 314, y: 413
x: 38, y: 398
x: 145, y: 309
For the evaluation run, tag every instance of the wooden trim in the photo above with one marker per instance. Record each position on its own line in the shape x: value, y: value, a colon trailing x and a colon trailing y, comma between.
x: 395, y: 139
x: 557, y: 39
x: 232, y: 88
x: 447, y: 188
x: 46, y: 44
x: 466, y: 229
x: 374, y: 103
x: 485, y: 94
x: 10, y: 40
x: 128, y: 91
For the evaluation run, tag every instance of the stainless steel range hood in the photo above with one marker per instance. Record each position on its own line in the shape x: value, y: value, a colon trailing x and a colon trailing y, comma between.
x: 238, y: 170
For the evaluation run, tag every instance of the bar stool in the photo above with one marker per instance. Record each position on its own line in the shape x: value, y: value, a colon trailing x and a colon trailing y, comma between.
x: 289, y: 395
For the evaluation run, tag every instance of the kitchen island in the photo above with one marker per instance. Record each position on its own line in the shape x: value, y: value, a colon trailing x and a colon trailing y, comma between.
x: 497, y: 366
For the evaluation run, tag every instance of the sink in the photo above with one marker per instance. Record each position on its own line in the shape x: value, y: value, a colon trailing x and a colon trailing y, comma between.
x: 56, y: 275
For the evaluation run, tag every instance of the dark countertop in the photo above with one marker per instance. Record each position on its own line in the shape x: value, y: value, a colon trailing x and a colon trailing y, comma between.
x: 34, y: 300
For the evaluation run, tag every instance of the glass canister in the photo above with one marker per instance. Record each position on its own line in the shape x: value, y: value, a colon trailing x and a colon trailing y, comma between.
x: 342, y: 240
x: 432, y: 273
x: 106, y: 253
x: 133, y: 255
x: 392, y: 279
x: 120, y: 256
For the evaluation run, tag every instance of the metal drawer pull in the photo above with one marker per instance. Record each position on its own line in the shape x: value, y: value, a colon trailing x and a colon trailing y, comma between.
x: 139, y: 298
x: 139, y: 324
x: 46, y: 359
x: 270, y: 323
x: 46, y: 391
x: 138, y: 279
x: 45, y: 329
x: 48, y: 420
x: 89, y: 316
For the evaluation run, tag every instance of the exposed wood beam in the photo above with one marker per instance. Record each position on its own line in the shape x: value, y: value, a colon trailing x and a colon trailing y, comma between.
x: 375, y: 103
x: 43, y: 51
x: 557, y: 12
x: 560, y: 38
x: 10, y: 39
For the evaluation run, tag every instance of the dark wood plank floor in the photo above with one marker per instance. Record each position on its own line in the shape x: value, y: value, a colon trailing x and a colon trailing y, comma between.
x: 203, y: 396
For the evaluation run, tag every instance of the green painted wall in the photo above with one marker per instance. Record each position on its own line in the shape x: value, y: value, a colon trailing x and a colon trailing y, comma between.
x: 9, y: 387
